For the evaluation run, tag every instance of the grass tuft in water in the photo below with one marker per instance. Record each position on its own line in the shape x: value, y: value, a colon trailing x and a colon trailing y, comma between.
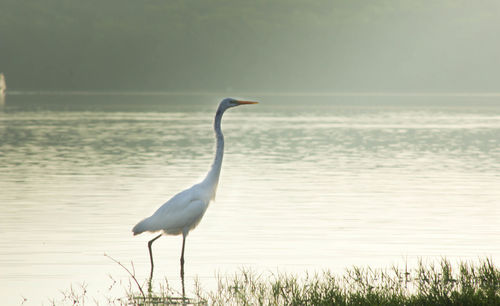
x: 428, y: 284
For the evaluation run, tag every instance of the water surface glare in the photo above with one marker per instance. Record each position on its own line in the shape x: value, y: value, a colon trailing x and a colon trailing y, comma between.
x: 304, y: 187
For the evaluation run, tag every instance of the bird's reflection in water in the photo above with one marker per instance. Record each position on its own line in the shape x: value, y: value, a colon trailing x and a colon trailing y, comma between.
x: 150, y: 285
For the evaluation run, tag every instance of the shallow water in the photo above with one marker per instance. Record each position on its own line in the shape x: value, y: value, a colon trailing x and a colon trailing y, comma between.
x: 307, y: 186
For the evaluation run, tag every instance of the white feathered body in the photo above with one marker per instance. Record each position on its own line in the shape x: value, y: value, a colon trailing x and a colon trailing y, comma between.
x: 180, y: 214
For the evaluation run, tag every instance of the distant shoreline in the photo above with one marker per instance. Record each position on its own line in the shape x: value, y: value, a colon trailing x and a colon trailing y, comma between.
x: 262, y: 94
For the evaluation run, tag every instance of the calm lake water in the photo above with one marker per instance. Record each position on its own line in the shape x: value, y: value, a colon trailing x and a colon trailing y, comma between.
x: 308, y: 183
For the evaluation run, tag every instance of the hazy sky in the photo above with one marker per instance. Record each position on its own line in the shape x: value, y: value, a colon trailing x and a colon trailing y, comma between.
x: 277, y: 46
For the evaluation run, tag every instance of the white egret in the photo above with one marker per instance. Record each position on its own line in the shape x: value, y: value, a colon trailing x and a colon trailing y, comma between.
x: 183, y: 211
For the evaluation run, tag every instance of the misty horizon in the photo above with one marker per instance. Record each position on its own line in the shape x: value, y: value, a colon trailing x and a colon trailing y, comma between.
x: 314, y: 47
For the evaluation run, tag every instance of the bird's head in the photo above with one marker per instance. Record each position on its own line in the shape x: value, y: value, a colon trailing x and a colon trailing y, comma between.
x: 230, y: 102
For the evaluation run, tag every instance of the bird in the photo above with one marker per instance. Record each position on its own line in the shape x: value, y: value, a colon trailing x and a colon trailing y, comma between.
x: 184, y: 211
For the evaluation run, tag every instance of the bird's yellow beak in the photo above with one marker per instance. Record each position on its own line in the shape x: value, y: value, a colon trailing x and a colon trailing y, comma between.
x: 246, y: 102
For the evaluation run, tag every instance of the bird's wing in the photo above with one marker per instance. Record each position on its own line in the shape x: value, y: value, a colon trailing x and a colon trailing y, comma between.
x: 181, y: 213
x: 188, y: 218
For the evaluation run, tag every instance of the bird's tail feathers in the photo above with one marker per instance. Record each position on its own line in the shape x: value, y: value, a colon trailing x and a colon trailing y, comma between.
x: 145, y: 226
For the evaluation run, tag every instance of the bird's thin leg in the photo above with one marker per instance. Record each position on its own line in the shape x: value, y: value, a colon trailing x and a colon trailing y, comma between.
x: 183, y: 289
x: 151, y: 255
x: 182, y: 261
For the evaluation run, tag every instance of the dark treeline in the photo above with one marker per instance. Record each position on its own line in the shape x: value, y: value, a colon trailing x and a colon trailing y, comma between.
x: 282, y: 45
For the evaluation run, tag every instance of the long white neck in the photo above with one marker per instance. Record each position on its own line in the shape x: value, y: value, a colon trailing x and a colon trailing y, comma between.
x: 212, y: 178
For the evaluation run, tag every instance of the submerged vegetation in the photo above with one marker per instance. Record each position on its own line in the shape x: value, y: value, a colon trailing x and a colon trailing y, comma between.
x: 427, y: 284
